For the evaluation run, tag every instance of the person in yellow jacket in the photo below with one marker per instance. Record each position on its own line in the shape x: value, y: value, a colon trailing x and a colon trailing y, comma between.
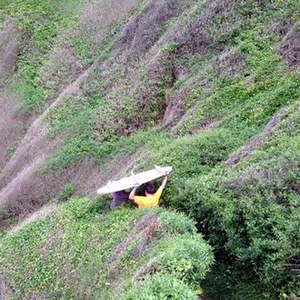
x: 151, y: 197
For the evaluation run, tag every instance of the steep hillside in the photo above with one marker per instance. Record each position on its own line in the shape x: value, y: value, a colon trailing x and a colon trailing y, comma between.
x: 93, y: 88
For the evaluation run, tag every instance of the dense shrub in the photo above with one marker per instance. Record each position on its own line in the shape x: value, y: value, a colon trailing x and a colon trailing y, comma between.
x: 250, y: 212
x: 185, y: 258
x: 79, y: 253
x: 161, y: 287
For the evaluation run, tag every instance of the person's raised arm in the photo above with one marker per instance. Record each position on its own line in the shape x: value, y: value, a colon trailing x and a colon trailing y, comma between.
x: 132, y: 193
x: 163, y: 185
x: 136, y: 185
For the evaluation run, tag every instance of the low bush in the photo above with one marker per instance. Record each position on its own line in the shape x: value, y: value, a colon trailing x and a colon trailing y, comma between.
x: 66, y: 192
x: 161, y: 287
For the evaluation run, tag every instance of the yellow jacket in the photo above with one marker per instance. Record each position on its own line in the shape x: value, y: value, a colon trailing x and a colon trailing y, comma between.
x: 148, y: 201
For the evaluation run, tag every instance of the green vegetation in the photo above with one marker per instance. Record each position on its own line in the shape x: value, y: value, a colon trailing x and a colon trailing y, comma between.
x: 106, y: 255
x: 209, y: 87
x: 66, y: 192
x: 250, y: 211
x: 40, y: 23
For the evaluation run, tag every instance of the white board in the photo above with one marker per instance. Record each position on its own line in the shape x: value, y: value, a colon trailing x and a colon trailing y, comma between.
x: 130, y: 181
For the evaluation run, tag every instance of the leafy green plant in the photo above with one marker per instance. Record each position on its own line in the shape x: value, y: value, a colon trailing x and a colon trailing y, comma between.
x: 187, y: 259
x: 161, y: 287
x: 66, y: 192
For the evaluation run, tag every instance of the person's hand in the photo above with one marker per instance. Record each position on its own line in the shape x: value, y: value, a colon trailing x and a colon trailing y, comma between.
x: 167, y: 173
x: 136, y: 184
